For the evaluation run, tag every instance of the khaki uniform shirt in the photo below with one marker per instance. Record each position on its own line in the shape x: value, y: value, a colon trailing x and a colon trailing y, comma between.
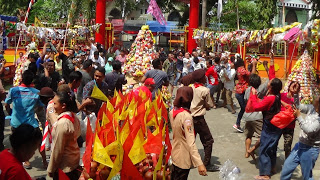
x: 201, y: 101
x: 51, y: 114
x: 65, y: 153
x: 184, y: 153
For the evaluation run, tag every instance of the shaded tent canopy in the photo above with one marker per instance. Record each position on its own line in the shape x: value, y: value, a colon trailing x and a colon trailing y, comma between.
x: 133, y: 26
x: 9, y: 18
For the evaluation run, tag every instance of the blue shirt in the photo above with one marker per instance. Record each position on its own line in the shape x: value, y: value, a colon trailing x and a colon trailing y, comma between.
x: 24, y: 100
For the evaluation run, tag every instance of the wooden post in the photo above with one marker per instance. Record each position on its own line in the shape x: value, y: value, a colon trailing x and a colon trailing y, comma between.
x: 285, y: 43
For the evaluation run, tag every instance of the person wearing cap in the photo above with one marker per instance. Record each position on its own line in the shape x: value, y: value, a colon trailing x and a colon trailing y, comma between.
x: 202, y: 102
x: 108, y: 67
x: 115, y: 79
x: 185, y: 154
x: 147, y: 88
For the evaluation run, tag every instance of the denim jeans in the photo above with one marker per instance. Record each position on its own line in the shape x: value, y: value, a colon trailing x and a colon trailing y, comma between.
x: 242, y: 103
x: 268, y: 151
x: 212, y: 88
x: 301, y: 154
x: 178, y: 75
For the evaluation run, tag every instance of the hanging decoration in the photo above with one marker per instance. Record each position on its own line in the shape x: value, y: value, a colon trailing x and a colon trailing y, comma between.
x: 290, y: 33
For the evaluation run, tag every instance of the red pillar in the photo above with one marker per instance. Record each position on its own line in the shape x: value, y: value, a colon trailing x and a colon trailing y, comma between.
x: 193, y: 23
x: 101, y: 19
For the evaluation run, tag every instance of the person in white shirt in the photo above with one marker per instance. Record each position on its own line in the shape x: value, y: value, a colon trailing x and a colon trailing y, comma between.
x: 228, y: 88
x: 186, y: 64
x: 97, y: 60
x: 197, y: 64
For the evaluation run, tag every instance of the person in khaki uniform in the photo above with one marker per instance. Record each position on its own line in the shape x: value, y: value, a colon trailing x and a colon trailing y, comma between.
x: 184, y: 153
x: 65, y: 153
x: 202, y: 102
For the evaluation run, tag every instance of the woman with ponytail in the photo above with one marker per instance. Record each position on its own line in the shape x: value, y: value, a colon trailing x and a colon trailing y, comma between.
x: 65, y: 150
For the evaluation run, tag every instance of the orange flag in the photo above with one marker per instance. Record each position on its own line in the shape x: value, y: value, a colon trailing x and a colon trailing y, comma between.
x: 62, y: 175
x: 168, y: 143
x: 129, y: 171
x: 154, y: 143
x: 86, y: 159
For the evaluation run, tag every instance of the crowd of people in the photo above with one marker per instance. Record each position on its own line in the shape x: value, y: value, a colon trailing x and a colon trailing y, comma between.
x: 57, y: 87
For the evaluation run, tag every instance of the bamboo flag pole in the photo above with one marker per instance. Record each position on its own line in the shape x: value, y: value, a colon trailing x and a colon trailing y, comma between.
x: 73, y: 6
x: 24, y: 22
x: 285, y: 43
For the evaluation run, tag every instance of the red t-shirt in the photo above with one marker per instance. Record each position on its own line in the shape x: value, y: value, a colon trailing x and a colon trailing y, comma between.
x: 212, y: 73
x: 243, y: 79
x: 12, y: 169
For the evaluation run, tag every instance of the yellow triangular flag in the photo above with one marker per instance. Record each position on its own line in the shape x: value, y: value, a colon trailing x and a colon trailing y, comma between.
x: 110, y: 107
x: 124, y: 133
x: 159, y: 164
x: 117, y: 166
x: 137, y: 153
x: 37, y: 22
x: 112, y: 148
x: 116, y: 95
x: 105, y: 119
x: 99, y: 153
x: 98, y: 94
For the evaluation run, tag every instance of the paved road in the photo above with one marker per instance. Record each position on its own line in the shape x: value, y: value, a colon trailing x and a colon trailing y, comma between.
x: 228, y: 145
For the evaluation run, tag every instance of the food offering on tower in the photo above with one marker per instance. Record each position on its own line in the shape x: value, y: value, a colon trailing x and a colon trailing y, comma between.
x: 304, y: 73
x: 141, y: 54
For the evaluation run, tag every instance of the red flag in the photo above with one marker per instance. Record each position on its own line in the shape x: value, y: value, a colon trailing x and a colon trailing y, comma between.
x: 86, y: 159
x: 62, y: 175
x: 168, y: 143
x: 129, y: 171
x: 154, y: 143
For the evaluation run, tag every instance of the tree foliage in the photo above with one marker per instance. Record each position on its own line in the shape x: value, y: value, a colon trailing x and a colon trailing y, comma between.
x: 252, y: 14
x: 267, y: 10
x: 12, y: 7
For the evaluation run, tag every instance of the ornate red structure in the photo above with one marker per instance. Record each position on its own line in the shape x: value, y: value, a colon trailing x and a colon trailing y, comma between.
x: 101, y: 19
x: 193, y: 23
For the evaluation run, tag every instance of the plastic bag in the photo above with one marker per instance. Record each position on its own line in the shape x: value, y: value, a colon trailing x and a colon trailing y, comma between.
x: 283, y: 118
x: 249, y: 108
x: 83, y: 124
x: 229, y: 171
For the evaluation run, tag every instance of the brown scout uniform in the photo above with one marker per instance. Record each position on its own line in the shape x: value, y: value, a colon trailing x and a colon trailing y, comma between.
x: 65, y: 153
x: 184, y: 153
x: 200, y: 103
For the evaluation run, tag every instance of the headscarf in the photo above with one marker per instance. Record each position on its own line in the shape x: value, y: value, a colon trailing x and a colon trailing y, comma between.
x: 198, y: 75
x: 187, y: 79
x: 183, y: 100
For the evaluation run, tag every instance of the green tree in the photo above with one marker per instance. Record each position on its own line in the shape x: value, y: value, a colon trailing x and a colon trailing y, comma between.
x: 256, y: 14
x: 267, y: 10
x: 12, y: 7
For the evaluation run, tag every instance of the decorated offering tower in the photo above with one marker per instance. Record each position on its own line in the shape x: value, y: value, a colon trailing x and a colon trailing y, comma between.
x: 304, y: 73
x: 141, y: 54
